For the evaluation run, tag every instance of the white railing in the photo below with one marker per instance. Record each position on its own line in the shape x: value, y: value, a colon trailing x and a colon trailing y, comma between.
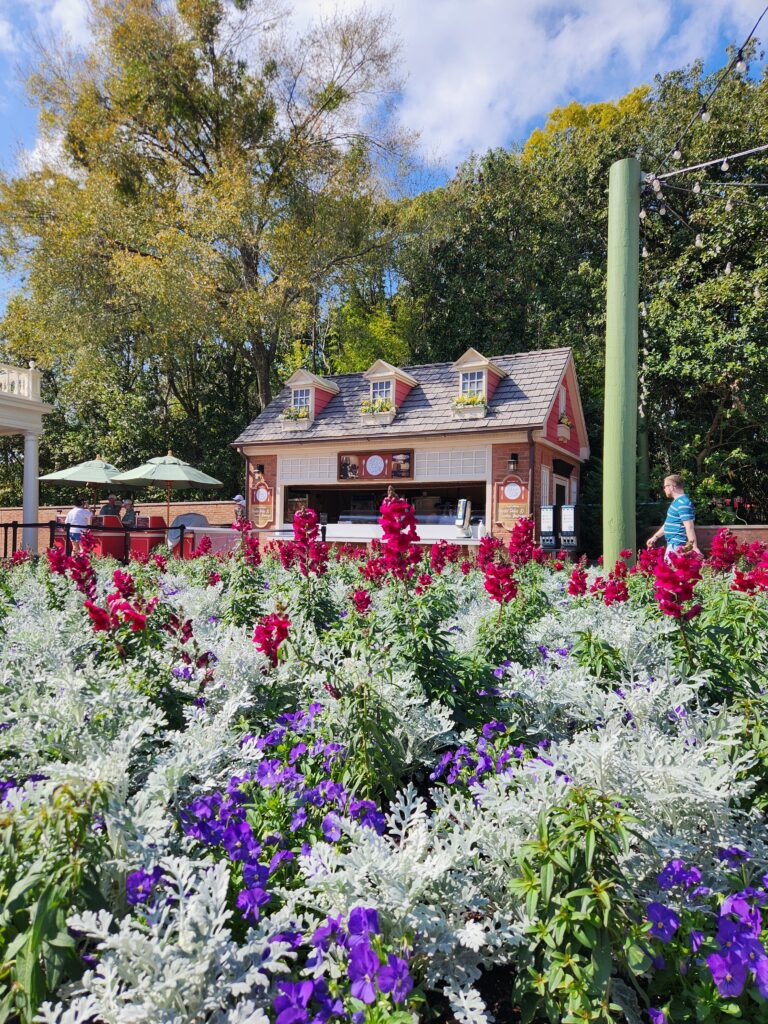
x: 20, y: 382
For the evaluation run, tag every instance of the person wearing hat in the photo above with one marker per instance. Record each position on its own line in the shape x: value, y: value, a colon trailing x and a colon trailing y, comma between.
x: 239, y: 501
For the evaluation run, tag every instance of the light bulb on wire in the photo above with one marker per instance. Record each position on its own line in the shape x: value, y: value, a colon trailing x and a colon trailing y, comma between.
x: 741, y: 64
x: 662, y: 209
x: 656, y: 185
x: 728, y: 206
x: 676, y: 153
x: 724, y: 165
x: 705, y: 114
x: 699, y: 242
x: 644, y: 253
x: 728, y: 268
x: 697, y: 187
x: 643, y: 214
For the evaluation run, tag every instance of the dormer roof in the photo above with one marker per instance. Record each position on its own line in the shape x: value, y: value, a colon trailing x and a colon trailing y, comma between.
x: 473, y: 360
x: 381, y: 370
x: 305, y: 379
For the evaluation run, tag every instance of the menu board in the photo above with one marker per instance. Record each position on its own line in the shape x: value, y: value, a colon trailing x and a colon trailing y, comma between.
x: 262, y: 505
x: 397, y: 465
x: 511, y: 501
x: 547, y: 519
x: 567, y: 519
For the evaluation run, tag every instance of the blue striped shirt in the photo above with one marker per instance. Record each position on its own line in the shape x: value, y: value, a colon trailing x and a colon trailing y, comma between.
x: 680, y: 511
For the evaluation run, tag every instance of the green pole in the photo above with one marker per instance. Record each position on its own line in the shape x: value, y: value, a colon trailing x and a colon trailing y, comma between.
x: 620, y: 424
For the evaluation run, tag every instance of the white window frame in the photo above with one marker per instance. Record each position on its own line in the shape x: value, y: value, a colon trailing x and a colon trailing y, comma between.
x: 562, y: 401
x: 545, y: 486
x: 563, y: 482
x: 301, y: 398
x: 473, y: 382
x: 382, y: 390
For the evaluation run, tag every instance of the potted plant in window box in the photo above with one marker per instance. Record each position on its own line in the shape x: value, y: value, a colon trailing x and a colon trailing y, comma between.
x: 470, y: 407
x: 296, y: 418
x: 377, y: 412
x: 564, y: 426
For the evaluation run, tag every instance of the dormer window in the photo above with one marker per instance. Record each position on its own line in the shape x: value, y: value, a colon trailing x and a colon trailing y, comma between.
x: 473, y: 383
x: 301, y: 398
x: 381, y: 391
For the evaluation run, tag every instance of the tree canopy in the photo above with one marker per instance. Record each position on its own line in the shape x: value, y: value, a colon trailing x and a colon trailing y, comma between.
x: 222, y: 212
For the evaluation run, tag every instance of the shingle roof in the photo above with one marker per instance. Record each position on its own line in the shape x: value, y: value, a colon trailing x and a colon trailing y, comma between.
x: 521, y: 399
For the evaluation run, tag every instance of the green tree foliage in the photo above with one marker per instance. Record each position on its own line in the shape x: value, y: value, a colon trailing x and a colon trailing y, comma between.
x: 213, y: 182
x: 510, y: 256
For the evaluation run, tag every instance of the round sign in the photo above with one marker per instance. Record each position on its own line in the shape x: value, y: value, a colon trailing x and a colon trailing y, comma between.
x: 512, y: 491
x: 262, y: 494
x: 375, y: 465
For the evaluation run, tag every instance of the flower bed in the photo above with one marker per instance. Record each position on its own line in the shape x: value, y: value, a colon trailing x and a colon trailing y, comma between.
x: 296, y: 785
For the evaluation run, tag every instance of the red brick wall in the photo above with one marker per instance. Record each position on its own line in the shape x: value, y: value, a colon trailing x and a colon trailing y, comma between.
x: 218, y: 513
x: 499, y: 461
x: 745, y: 534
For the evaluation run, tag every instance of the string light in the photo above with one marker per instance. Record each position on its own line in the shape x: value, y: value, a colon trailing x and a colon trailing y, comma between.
x: 741, y: 64
x: 697, y: 187
x: 676, y: 154
x: 699, y: 242
x: 729, y: 206
x: 644, y: 253
x: 705, y: 114
x: 656, y: 185
x: 662, y: 209
x: 727, y: 268
x: 643, y: 214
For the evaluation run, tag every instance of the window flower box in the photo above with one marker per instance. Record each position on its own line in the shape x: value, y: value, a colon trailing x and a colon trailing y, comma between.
x: 470, y: 407
x: 377, y: 412
x: 564, y: 426
x: 296, y: 418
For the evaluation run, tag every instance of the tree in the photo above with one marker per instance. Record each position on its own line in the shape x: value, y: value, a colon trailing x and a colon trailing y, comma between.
x: 510, y: 256
x: 213, y: 180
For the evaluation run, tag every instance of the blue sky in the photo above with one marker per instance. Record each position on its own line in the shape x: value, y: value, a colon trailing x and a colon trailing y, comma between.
x: 478, y: 73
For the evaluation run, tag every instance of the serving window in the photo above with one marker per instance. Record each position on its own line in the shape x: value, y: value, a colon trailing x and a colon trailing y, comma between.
x: 435, y: 505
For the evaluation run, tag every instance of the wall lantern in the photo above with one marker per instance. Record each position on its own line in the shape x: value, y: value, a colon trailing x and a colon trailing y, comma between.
x: 512, y: 463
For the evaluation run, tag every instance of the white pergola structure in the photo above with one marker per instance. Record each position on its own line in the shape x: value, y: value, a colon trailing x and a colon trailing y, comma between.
x: 21, y: 412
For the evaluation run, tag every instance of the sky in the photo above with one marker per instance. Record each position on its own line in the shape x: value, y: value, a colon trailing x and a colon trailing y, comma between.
x: 477, y: 73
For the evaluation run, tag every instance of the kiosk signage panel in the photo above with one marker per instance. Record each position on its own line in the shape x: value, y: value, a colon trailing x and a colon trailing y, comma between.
x: 397, y: 465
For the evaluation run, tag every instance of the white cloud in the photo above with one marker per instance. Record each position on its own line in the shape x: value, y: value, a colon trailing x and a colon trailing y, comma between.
x: 8, y: 43
x: 480, y: 71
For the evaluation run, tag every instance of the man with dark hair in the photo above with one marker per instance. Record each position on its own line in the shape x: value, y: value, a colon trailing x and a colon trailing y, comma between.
x: 678, y: 529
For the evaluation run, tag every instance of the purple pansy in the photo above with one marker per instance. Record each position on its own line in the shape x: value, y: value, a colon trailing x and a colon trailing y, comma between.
x: 363, y: 965
x: 139, y: 884
x: 728, y: 973
x: 363, y: 920
x: 664, y: 921
x: 291, y: 1003
x: 332, y: 827
x: 395, y: 978
x: 657, y: 1016
x: 249, y: 901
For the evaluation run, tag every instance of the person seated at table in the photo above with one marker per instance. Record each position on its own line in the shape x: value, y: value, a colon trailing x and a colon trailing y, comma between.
x: 129, y: 513
x: 111, y: 508
x: 78, y: 517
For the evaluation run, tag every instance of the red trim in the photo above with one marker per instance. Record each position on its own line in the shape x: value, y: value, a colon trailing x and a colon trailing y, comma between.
x: 322, y: 398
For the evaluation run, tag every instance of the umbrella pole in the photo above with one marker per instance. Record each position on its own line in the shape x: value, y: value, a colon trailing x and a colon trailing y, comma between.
x: 167, y: 509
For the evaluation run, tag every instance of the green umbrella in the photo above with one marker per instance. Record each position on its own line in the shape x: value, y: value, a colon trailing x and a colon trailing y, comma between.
x: 167, y: 471
x: 95, y: 472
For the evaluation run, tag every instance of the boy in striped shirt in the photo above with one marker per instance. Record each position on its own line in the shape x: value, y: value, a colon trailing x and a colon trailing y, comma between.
x: 678, y: 529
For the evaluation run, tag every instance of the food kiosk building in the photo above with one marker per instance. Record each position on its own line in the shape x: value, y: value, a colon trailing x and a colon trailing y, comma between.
x: 473, y: 445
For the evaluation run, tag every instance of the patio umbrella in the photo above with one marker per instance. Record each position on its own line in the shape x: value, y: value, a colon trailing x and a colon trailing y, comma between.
x: 169, y: 472
x: 95, y: 473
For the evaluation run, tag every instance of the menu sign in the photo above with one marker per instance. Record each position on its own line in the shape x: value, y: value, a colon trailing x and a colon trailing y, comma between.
x: 376, y: 465
x: 511, y: 501
x: 262, y: 505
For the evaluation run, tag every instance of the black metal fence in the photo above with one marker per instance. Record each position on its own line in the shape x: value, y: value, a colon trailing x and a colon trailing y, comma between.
x: 13, y: 534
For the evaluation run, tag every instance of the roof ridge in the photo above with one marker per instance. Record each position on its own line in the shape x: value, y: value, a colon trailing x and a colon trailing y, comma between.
x: 449, y: 362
